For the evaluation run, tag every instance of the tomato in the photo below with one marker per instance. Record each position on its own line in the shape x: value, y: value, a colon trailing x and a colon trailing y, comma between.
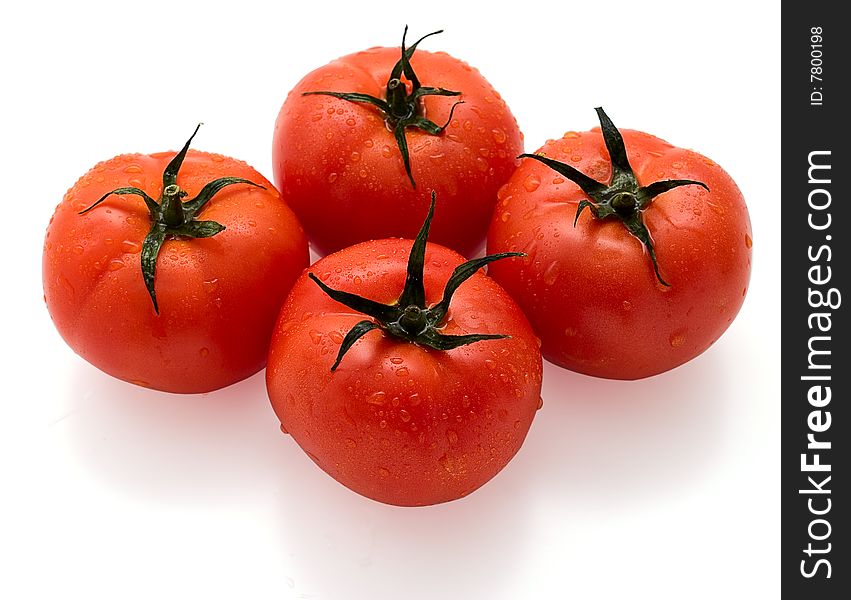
x: 150, y: 294
x: 420, y: 405
x: 344, y: 132
x: 634, y: 269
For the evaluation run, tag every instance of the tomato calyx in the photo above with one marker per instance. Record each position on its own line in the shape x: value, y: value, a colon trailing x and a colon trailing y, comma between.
x: 622, y: 198
x: 172, y: 217
x: 402, y: 109
x: 409, y: 318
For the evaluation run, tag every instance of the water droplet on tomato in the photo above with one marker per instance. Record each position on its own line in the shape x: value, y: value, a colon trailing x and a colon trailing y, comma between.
x: 551, y: 273
x: 447, y: 463
x: 77, y: 249
x: 383, y: 472
x: 748, y: 241
x: 451, y: 437
x: 397, y: 360
x: 130, y: 247
x: 482, y: 165
x: 315, y: 336
x: 336, y: 337
x: 570, y: 135
x: 677, y: 339
x: 332, y: 177
x: 627, y: 305
x: 404, y: 415
x: 530, y: 250
x: 540, y: 403
x: 350, y: 122
x: 377, y: 399
x: 531, y: 183
x: 204, y: 352
x: 414, y: 399
x: 132, y: 168
x: 115, y: 264
x: 351, y: 443
x: 402, y: 372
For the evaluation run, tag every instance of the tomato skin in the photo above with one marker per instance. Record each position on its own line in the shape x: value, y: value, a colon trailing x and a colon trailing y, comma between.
x: 338, y: 166
x: 590, y: 291
x: 218, y: 297
x: 397, y: 422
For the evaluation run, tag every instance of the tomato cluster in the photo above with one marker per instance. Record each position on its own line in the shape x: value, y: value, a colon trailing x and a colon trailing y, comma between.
x: 400, y: 368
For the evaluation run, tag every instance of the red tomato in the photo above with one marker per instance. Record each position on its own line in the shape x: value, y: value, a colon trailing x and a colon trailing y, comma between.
x: 217, y: 296
x: 339, y: 162
x: 394, y: 418
x: 589, y: 288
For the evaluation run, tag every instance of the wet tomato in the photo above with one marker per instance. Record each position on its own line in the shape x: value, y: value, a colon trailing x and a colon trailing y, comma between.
x: 402, y: 397
x: 180, y: 293
x: 639, y: 253
x: 360, y: 143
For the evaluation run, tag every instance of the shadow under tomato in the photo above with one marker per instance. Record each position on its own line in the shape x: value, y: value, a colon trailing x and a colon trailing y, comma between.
x: 202, y: 449
x: 343, y: 545
x: 612, y: 444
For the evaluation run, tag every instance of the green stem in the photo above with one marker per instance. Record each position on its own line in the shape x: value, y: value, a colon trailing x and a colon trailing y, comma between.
x: 622, y: 198
x: 402, y: 110
x: 409, y: 318
x: 172, y: 206
x: 171, y: 217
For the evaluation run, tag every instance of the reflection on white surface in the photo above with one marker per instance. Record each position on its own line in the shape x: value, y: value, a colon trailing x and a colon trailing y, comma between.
x: 597, y: 447
x: 172, y: 448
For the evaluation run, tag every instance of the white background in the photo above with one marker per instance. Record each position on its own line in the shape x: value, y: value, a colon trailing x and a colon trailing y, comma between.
x: 662, y: 488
